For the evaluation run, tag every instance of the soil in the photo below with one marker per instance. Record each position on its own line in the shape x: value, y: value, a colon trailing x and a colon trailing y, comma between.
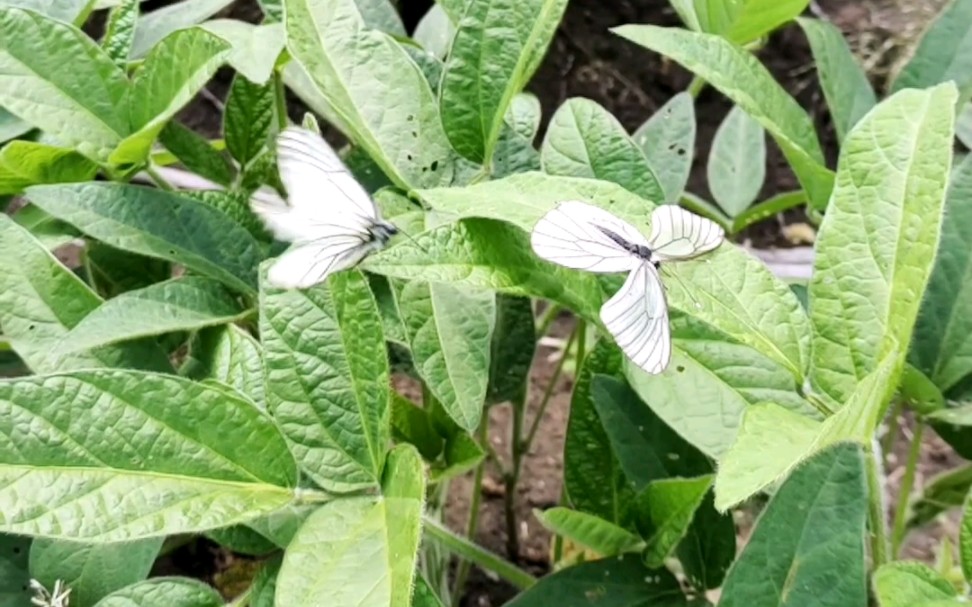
x: 587, y: 60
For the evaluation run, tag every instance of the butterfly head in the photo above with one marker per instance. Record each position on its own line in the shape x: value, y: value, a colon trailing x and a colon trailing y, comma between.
x: 383, y: 231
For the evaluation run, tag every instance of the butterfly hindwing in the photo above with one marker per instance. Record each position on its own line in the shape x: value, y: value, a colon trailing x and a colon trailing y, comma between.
x: 574, y: 234
x: 637, y: 317
x: 678, y: 234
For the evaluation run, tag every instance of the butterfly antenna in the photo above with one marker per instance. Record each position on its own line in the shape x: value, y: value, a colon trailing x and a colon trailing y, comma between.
x: 409, y: 236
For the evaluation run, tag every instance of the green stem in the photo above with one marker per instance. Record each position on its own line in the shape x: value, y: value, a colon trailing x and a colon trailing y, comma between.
x: 894, y: 425
x: 512, y: 478
x: 280, y: 98
x: 548, y: 392
x: 158, y: 179
x: 547, y: 318
x: 898, y: 529
x: 876, y: 518
x: 472, y: 523
x: 581, y: 331
x: 485, y: 559
x: 695, y: 87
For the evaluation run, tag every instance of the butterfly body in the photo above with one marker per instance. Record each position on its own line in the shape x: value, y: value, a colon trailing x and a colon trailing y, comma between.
x: 331, y: 220
x: 585, y: 237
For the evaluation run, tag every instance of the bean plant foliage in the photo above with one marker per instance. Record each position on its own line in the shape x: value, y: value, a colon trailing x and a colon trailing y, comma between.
x: 159, y: 388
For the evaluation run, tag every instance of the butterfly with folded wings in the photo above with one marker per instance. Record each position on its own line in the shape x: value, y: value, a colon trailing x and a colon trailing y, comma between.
x: 331, y: 220
x: 581, y: 236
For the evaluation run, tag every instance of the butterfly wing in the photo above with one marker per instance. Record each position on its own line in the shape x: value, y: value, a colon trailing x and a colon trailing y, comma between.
x: 306, y: 265
x: 637, y: 317
x: 576, y: 235
x: 678, y: 234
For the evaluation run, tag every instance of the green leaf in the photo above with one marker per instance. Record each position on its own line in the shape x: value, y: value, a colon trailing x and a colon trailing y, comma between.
x: 737, y: 162
x: 668, y: 141
x: 331, y: 43
x: 944, y: 53
x: 647, y: 449
x: 594, y: 481
x: 237, y: 206
x: 327, y: 378
x: 242, y: 539
x: 41, y: 300
x: 729, y: 288
x: 232, y: 356
x: 171, y: 75
x: 756, y: 18
x: 26, y: 163
x: 170, y: 592
x: 360, y: 550
x: 965, y: 540
x: 450, y: 329
x: 111, y: 271
x: 265, y: 583
x: 422, y: 593
x: 790, y: 438
x: 845, y: 85
x: 668, y: 507
x: 621, y: 581
x: 511, y: 350
x: 741, y: 77
x: 524, y: 115
x: 413, y: 424
x: 14, y: 575
x: 475, y: 94
x: 881, y: 230
x: 601, y: 536
x: 248, y: 118
x: 942, y: 342
x: 487, y: 254
x: 153, y: 27
x: 381, y: 15
x: 196, y: 153
x: 120, y: 31
x: 963, y: 126
x: 68, y: 11
x: 180, y: 304
x: 709, y: 548
x: 810, y: 539
x: 945, y: 490
x: 912, y: 584
x: 80, y: 102
x: 462, y: 454
x: 92, y: 571
x: 514, y: 154
x: 11, y: 126
x: 254, y: 48
x: 158, y: 224
x: 435, y: 32
x: 585, y: 140
x: 956, y: 416
x: 84, y: 475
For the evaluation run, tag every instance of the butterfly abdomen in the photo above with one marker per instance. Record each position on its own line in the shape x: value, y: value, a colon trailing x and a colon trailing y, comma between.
x: 637, y: 250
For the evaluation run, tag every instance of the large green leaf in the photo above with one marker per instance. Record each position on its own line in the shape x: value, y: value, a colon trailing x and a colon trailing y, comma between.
x: 118, y: 455
x: 728, y: 288
x: 181, y: 304
x: 80, y: 102
x: 152, y: 27
x: 741, y: 77
x: 381, y: 15
x: 709, y: 547
x: 877, y: 243
x: 254, y: 48
x: 601, y: 536
x: 26, y: 163
x: 111, y: 272
x: 171, y: 75
x: 14, y: 574
x: 594, y: 481
x: 92, y: 571
x: 352, y: 66
x: 496, y: 49
x: 808, y: 545
x: 913, y: 584
x: 248, y: 118
x: 942, y: 342
x: 68, y: 11
x: 666, y: 509
x: 359, y: 551
x: 327, y: 378
x: 739, y: 21
x: 511, y: 351
x: 41, y: 300
x: 450, y: 330
x: 944, y: 53
x: 845, y: 85
x: 621, y: 581
x: 647, y: 449
x: 158, y: 224
x: 668, y: 142
x: 232, y: 356
x: 11, y: 126
x: 163, y: 591
x: 943, y: 491
x: 120, y: 31
x: 197, y: 154
x: 585, y: 140
x: 737, y: 162
x: 265, y: 583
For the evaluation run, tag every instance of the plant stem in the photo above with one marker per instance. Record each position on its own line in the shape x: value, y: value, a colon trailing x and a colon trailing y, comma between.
x: 904, y: 494
x: 158, y: 179
x: 473, y: 522
x: 280, y: 99
x: 548, y: 392
x: 485, y: 559
x: 695, y: 87
x: 876, y: 518
x: 893, y: 426
x: 512, y: 478
x: 546, y: 319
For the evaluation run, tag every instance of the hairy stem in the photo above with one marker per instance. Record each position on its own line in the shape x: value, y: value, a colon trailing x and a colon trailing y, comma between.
x: 876, y: 516
x: 280, y: 99
x: 158, y: 179
x: 483, y: 558
x: 472, y: 523
x: 904, y: 494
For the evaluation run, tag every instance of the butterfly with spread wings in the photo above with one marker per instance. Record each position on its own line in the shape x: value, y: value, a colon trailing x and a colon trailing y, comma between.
x: 331, y: 220
x: 584, y: 237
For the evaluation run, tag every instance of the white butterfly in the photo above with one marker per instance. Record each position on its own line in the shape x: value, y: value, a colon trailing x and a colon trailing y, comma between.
x: 329, y: 217
x: 584, y: 237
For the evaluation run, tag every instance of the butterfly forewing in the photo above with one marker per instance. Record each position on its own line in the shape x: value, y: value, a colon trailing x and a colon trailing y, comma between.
x: 576, y: 235
x: 637, y: 317
x: 678, y: 234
